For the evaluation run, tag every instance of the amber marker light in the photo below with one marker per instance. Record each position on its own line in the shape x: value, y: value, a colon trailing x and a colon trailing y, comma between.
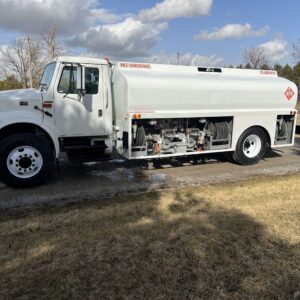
x: 47, y: 104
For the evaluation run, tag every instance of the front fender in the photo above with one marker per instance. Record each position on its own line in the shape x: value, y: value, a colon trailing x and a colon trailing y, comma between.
x: 34, y: 118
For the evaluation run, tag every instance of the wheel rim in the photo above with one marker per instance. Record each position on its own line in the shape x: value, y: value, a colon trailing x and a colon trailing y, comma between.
x: 252, y: 145
x: 24, y: 162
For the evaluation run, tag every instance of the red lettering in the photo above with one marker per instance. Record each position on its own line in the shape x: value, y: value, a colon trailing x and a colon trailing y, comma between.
x: 268, y: 72
x: 136, y: 66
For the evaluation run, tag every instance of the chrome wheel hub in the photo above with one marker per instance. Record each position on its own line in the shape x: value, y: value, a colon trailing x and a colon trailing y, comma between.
x: 24, y: 162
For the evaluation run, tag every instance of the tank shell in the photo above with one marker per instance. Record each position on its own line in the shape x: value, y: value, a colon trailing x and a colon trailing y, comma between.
x: 145, y: 87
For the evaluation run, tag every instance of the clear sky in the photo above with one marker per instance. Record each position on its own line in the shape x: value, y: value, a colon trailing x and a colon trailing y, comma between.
x: 212, y: 32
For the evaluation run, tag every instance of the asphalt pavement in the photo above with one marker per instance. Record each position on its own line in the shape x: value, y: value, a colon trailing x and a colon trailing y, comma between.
x: 99, y: 180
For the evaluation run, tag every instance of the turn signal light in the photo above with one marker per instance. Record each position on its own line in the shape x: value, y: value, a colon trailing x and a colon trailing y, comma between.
x: 136, y: 116
x: 47, y: 104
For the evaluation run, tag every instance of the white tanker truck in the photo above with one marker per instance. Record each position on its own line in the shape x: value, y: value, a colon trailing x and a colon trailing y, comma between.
x: 141, y: 111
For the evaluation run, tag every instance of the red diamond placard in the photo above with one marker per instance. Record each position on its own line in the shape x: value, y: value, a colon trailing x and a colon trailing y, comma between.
x: 289, y: 93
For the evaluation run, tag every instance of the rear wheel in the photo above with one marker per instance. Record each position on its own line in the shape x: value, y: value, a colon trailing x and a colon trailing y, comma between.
x: 25, y: 160
x: 251, y: 147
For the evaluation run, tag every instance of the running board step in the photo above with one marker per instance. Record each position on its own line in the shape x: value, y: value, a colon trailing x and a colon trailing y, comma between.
x: 85, y: 147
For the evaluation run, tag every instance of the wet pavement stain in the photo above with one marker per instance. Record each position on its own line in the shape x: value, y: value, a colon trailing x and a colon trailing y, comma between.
x: 99, y: 180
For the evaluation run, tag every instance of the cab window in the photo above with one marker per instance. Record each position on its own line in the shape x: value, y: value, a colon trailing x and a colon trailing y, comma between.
x: 91, y: 80
x: 47, y: 76
x: 68, y: 80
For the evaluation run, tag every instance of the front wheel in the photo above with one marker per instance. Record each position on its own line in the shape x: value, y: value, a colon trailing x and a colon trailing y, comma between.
x: 25, y: 160
x: 251, y: 147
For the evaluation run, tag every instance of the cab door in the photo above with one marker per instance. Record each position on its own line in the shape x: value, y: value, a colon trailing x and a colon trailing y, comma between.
x: 80, y: 114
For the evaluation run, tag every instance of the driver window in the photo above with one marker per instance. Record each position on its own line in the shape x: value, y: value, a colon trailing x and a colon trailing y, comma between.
x: 68, y: 80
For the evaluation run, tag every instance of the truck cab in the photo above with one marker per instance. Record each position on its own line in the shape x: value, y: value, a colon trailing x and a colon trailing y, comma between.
x: 77, y: 93
x: 71, y: 111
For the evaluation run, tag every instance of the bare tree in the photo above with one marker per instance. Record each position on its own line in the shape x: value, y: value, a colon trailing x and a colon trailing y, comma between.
x: 4, y: 72
x: 36, y: 60
x: 15, y: 60
x: 51, y: 44
x: 23, y: 59
x: 255, y: 57
x: 296, y: 51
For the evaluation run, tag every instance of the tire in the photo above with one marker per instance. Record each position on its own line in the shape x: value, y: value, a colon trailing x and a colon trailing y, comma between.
x: 25, y: 160
x: 251, y: 147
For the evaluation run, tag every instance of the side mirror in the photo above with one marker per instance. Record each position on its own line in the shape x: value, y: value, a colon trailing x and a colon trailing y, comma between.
x: 81, y: 80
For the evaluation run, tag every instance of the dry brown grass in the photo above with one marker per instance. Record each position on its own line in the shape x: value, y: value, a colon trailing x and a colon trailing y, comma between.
x: 234, y: 241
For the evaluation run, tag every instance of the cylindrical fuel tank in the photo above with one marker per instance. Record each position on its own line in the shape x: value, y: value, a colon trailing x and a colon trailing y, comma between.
x: 150, y: 87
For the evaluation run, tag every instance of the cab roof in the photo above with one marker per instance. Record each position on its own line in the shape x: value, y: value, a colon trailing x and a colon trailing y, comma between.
x: 81, y: 60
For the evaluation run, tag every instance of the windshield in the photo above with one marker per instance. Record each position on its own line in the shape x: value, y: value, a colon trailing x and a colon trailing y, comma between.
x: 47, y: 76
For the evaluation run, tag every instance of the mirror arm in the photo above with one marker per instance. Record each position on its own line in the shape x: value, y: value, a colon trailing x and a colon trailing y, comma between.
x: 81, y: 80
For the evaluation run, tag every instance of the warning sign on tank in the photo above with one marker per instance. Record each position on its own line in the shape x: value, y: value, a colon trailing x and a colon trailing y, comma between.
x: 289, y: 93
x: 136, y: 66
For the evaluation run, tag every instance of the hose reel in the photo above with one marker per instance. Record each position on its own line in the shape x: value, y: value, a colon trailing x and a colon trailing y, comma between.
x: 218, y: 130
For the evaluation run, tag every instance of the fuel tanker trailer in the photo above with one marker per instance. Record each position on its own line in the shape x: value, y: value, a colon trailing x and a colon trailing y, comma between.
x: 88, y: 106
